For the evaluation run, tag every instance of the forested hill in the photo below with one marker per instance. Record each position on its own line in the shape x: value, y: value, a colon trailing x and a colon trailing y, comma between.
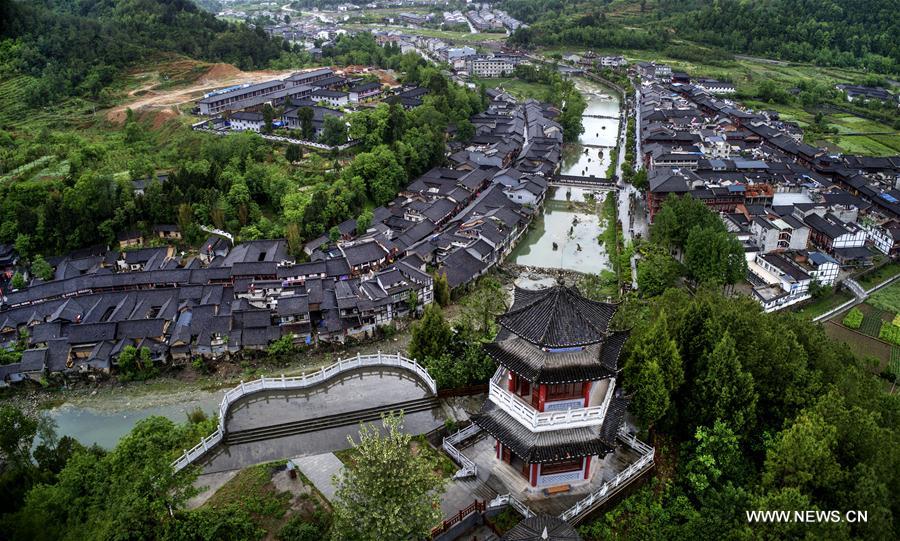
x: 76, y: 47
x: 859, y: 33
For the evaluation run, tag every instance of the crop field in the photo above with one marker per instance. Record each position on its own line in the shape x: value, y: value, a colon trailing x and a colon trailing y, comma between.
x: 871, y: 323
x: 887, y: 299
x: 861, y: 345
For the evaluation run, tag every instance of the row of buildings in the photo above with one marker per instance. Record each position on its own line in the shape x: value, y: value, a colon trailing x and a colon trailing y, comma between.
x: 802, y: 215
x: 485, y: 18
x: 463, y: 219
x: 226, y: 299
x: 464, y: 60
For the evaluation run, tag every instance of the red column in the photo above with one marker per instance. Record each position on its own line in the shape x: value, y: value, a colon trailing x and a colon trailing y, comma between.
x: 586, y: 391
x: 587, y: 467
x: 497, y: 446
x: 542, y: 397
x: 534, y: 474
x: 512, y: 382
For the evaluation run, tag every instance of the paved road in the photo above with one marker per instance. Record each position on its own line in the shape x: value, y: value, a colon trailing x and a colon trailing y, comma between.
x: 321, y: 471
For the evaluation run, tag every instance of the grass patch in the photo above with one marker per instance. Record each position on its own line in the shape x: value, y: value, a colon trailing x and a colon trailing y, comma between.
x: 879, y: 275
x: 516, y: 87
x: 887, y: 299
x: 819, y: 306
x: 252, y: 490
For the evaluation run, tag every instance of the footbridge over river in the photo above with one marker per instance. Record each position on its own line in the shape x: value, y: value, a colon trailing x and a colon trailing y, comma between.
x: 274, y: 418
x: 584, y: 182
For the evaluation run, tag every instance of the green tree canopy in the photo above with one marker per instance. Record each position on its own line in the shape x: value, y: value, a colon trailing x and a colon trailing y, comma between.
x: 389, y: 492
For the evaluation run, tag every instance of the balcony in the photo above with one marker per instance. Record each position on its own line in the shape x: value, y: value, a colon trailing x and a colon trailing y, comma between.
x: 538, y: 421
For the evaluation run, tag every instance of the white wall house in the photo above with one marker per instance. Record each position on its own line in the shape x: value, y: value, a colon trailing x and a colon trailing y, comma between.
x: 246, y: 121
x: 822, y: 268
x: 333, y: 98
x: 490, y: 67
x: 778, y: 281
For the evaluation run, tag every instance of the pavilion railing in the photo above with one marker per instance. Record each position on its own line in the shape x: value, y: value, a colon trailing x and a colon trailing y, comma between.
x: 625, y: 477
x: 297, y: 382
x: 467, y: 466
x: 540, y: 421
x: 508, y: 499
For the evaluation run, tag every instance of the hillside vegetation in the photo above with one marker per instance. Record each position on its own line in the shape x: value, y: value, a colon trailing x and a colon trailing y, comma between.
x: 857, y: 33
x: 78, y: 47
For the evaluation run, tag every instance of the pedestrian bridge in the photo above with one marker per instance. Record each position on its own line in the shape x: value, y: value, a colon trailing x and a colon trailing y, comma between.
x: 289, y: 416
x: 588, y: 182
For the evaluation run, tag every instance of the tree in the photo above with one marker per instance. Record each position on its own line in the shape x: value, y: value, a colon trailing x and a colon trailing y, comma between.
x: 307, y: 130
x: 714, y: 256
x: 389, y: 492
x: 715, y: 458
x: 724, y: 390
x: 803, y: 456
x: 127, y: 493
x: 654, y: 346
x: 135, y: 363
x: 41, y: 269
x: 441, y: 289
x: 268, y: 113
x: 483, y: 304
x: 334, y: 131
x: 651, y: 399
x: 18, y: 281
x: 465, y: 131
x: 431, y: 335
x: 412, y: 302
x: 363, y: 221
x: 656, y: 271
x: 677, y: 217
x: 293, y: 153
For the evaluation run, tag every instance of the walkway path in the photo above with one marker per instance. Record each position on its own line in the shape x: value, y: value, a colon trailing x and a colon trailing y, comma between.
x: 321, y: 470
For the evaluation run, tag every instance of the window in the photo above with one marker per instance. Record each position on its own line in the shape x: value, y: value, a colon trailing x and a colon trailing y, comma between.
x: 573, y: 464
x: 563, y: 391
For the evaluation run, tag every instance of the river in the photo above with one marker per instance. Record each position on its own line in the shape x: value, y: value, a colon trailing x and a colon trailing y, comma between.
x: 590, y: 155
x: 565, y: 235
x: 106, y: 426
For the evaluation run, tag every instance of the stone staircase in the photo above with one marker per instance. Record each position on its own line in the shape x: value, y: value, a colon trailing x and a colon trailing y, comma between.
x: 328, y: 421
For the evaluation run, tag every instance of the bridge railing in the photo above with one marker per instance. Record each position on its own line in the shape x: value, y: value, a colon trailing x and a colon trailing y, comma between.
x: 298, y: 382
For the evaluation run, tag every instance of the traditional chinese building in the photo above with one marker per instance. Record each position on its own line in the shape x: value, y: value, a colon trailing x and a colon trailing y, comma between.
x: 552, y: 407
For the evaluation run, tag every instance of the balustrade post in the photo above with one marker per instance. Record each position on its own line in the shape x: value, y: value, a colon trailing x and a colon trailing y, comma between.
x: 379, y: 356
x: 242, y: 386
x: 283, y: 382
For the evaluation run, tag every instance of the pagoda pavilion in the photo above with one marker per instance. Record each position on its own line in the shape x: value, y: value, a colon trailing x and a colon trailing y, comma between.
x: 552, y: 406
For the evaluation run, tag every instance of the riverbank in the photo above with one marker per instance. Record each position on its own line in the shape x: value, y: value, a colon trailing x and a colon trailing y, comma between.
x: 183, y: 385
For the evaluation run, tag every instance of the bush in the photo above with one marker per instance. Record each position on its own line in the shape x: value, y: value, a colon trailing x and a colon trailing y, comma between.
x: 853, y: 319
x: 297, y: 529
x: 889, y: 333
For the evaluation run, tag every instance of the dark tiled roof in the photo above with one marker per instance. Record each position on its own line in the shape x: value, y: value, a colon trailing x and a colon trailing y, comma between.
x: 559, y: 317
x: 596, y: 361
x: 537, y: 447
x: 542, y: 528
